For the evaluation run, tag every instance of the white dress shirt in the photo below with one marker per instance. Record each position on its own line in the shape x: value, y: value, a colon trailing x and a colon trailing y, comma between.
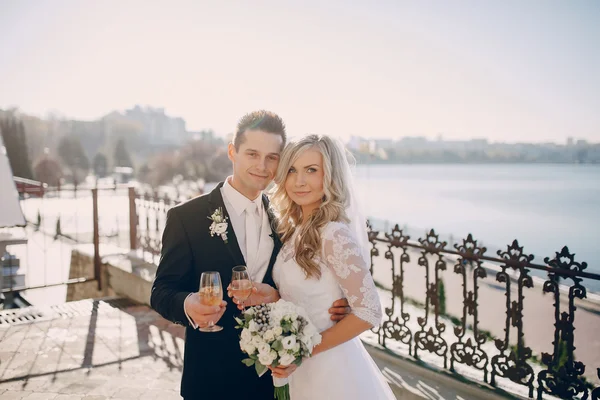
x: 236, y: 204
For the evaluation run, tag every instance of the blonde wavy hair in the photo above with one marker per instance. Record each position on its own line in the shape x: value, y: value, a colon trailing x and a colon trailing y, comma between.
x: 333, y: 208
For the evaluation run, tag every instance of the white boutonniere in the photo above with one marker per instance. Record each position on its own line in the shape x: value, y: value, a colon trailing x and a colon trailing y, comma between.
x: 219, y: 224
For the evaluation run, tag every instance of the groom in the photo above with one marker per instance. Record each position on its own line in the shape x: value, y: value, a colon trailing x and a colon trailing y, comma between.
x: 212, y: 367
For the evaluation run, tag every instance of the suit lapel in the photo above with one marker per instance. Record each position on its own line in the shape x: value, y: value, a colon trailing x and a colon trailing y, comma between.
x: 215, y: 201
x: 276, y: 242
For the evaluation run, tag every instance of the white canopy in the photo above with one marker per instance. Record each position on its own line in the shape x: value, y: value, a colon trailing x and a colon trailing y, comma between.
x: 10, y: 209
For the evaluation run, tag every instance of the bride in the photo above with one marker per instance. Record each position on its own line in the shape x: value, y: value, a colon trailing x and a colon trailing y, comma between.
x: 324, y: 257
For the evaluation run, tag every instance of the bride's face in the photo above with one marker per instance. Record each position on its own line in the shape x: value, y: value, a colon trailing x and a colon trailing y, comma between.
x: 304, y: 182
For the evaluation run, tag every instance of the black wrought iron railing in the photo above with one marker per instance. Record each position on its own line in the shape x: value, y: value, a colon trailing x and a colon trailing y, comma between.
x: 498, y: 355
x: 148, y: 218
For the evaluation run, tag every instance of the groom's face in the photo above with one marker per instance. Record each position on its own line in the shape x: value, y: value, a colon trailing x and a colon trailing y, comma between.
x: 255, y: 162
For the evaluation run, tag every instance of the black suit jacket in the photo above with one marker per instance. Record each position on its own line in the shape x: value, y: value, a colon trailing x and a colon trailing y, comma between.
x: 212, y: 367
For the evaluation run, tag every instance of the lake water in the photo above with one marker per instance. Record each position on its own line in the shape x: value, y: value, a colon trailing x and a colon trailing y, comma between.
x: 545, y: 207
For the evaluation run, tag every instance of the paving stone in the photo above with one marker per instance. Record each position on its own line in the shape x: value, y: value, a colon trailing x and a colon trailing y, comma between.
x: 83, y: 386
x: 129, y: 393
x: 107, y: 390
x: 40, y: 396
x: 34, y: 384
x: 161, y: 394
x: 15, y: 395
x: 68, y: 397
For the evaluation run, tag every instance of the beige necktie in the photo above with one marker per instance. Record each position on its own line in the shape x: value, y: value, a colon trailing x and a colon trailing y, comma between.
x: 252, y: 236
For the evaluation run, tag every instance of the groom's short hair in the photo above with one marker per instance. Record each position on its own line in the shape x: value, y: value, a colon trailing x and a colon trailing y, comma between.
x: 263, y: 120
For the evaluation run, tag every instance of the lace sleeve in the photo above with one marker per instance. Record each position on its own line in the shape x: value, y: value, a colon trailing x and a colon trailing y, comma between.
x: 342, y: 254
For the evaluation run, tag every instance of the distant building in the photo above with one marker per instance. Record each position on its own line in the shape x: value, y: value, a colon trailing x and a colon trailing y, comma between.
x: 413, y: 142
x: 356, y: 143
x: 384, y: 143
x: 205, y: 136
x: 159, y: 128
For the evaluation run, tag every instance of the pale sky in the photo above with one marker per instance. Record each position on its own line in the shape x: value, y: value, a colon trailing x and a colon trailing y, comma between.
x: 505, y: 70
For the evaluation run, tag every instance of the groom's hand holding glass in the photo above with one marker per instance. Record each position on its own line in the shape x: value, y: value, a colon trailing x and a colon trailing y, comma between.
x: 202, y: 314
x: 206, y: 307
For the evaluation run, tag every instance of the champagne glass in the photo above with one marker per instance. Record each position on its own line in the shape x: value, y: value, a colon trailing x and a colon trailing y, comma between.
x: 241, y: 285
x: 211, y: 294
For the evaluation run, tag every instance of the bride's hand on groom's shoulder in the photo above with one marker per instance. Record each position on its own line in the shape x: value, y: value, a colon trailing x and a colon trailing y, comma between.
x: 261, y: 294
x: 202, y: 313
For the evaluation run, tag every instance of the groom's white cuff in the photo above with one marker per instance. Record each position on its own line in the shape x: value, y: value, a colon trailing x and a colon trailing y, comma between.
x: 192, y: 323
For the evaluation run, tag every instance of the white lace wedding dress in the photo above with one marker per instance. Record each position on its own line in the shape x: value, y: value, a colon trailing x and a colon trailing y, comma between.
x: 345, y: 372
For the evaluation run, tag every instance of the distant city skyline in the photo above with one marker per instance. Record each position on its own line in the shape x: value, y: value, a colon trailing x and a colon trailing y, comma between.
x: 508, y: 72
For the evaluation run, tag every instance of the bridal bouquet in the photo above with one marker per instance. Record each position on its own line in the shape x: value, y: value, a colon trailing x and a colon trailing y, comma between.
x: 276, y: 334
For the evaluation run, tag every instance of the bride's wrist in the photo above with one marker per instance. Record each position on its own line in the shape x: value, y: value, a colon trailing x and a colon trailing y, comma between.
x: 315, y: 350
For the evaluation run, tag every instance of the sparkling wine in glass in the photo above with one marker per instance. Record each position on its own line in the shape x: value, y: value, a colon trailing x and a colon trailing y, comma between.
x: 241, y: 285
x: 211, y: 294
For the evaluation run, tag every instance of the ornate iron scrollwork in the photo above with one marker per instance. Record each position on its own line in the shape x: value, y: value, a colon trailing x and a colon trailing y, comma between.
x: 432, y: 340
x: 563, y: 378
x: 469, y: 353
x: 395, y: 327
x: 514, y: 365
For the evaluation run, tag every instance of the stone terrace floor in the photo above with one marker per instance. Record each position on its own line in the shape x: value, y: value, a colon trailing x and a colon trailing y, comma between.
x: 91, y: 350
x: 114, y: 349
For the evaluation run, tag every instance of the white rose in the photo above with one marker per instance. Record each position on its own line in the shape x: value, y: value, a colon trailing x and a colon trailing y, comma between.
x: 248, y: 348
x: 256, y: 341
x: 269, y: 336
x: 296, y: 347
x: 253, y: 326
x: 309, y: 330
x: 246, y: 341
x: 275, y: 316
x: 296, y: 325
x: 308, y: 336
x: 288, y: 342
x: 287, y: 359
x: 221, y: 228
x: 264, y: 348
x: 267, y: 359
x: 277, y: 331
x: 246, y: 335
